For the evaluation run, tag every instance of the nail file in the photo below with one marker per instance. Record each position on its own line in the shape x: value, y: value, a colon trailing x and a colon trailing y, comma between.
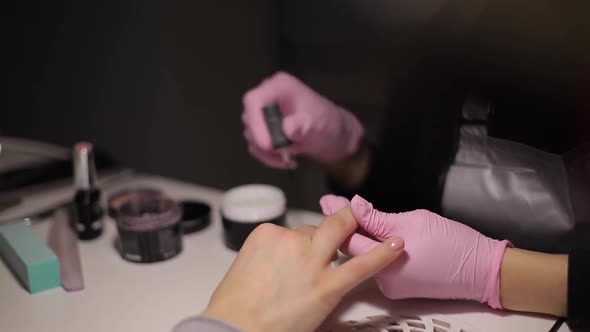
x: 29, y: 258
x: 63, y: 240
x: 274, y: 121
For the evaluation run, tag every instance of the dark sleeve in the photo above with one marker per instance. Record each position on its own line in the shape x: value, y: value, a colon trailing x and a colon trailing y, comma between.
x: 578, y: 291
x: 417, y: 144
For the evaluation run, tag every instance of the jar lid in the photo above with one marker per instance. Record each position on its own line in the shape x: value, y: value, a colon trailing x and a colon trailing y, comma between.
x: 253, y: 203
x: 195, y: 216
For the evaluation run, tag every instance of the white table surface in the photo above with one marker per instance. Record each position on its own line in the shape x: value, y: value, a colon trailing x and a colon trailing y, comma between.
x: 124, y: 296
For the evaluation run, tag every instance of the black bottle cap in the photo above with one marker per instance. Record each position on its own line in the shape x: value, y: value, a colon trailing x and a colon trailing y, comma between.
x: 274, y: 122
x: 196, y: 216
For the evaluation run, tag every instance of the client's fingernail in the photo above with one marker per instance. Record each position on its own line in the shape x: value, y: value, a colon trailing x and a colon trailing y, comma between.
x: 361, y: 208
x: 396, y: 243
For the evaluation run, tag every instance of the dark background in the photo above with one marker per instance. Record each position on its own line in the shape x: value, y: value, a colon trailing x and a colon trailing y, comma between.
x: 159, y: 83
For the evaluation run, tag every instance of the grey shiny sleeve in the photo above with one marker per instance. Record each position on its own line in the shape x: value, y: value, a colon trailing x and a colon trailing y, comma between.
x: 202, y: 324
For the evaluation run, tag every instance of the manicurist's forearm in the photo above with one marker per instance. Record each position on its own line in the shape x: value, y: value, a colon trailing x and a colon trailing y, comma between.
x: 534, y: 282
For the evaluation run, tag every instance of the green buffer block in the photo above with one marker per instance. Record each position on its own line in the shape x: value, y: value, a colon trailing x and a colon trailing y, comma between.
x: 29, y: 258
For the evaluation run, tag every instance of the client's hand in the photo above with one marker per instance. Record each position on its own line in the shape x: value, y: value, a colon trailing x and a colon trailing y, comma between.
x: 283, y: 280
x: 442, y: 258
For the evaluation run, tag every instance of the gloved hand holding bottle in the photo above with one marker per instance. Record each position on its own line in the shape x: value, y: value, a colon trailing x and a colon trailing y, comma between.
x: 444, y: 259
x: 317, y: 127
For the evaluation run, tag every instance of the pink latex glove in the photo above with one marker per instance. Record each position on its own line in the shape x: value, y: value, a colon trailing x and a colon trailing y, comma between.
x: 317, y: 127
x: 444, y: 259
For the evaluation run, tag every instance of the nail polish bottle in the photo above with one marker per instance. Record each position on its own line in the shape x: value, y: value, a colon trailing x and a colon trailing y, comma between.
x: 89, y: 213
